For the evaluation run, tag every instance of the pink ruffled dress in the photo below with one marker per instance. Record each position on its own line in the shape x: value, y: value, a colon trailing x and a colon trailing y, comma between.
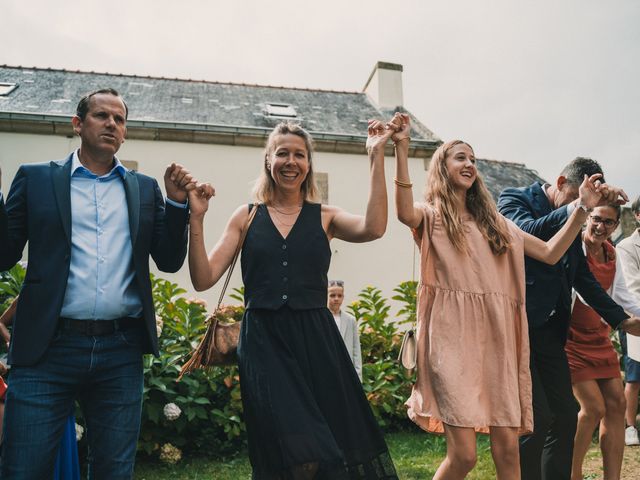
x: 473, y: 343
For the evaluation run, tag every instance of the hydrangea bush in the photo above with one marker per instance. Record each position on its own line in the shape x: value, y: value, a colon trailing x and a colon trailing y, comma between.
x: 202, y: 413
x: 386, y: 383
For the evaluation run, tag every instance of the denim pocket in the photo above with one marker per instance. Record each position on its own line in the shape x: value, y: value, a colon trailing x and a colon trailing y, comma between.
x: 132, y: 337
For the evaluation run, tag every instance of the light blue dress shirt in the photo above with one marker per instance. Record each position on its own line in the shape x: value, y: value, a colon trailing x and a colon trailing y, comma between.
x: 101, y: 284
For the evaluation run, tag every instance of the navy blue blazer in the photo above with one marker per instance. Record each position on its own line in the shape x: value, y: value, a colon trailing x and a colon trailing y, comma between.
x: 38, y: 211
x: 549, y: 286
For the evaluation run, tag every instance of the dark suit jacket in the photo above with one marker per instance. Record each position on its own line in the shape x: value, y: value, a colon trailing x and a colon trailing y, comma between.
x: 549, y: 286
x: 38, y: 210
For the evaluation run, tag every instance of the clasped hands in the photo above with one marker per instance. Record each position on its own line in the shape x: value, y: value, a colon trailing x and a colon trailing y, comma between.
x: 397, y: 129
x: 611, y: 195
x: 180, y: 184
x: 593, y: 193
x: 631, y: 325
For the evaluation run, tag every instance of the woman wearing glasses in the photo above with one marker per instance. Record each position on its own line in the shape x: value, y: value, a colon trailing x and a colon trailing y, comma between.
x: 595, y: 371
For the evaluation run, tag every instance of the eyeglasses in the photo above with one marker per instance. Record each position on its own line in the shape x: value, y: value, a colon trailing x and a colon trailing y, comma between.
x: 606, y: 221
x: 336, y: 283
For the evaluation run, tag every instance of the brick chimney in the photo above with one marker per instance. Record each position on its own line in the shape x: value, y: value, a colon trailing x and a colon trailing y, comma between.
x: 384, y: 86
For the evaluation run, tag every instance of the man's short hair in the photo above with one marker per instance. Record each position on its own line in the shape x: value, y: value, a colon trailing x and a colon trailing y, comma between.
x: 578, y: 168
x: 83, y: 104
x: 635, y: 206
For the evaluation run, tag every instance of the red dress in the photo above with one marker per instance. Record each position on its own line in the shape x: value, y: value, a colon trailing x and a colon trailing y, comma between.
x: 589, y: 349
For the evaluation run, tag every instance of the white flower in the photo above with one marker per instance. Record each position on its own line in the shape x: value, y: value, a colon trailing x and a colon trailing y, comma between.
x: 170, y: 454
x: 171, y: 411
x: 79, y: 432
x: 159, y: 325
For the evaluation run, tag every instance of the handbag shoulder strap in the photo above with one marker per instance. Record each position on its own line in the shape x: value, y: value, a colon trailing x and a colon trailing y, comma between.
x: 243, y: 235
x: 414, y: 326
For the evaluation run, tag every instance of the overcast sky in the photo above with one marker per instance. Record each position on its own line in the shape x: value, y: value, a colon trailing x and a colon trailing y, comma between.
x: 536, y: 82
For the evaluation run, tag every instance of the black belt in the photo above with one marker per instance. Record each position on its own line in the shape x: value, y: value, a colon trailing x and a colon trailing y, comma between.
x: 99, y: 327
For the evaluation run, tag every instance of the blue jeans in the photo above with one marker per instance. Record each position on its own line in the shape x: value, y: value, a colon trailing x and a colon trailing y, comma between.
x: 105, y: 374
x: 631, y: 367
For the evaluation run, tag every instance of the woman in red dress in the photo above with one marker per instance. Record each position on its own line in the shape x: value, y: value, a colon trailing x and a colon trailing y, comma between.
x: 595, y: 370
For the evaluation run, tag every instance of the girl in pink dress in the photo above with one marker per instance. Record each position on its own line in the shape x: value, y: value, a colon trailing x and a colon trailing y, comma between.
x: 473, y: 348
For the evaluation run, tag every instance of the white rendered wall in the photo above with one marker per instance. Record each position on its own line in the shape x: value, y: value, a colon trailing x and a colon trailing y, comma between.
x: 383, y: 263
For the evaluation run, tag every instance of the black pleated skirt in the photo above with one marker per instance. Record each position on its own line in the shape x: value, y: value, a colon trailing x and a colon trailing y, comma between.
x: 306, y: 413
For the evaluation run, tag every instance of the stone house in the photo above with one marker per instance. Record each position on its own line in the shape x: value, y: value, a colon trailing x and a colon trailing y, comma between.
x: 218, y: 131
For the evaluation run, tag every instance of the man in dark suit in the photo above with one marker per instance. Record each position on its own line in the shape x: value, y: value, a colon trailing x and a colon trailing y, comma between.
x: 85, y: 314
x: 541, y: 210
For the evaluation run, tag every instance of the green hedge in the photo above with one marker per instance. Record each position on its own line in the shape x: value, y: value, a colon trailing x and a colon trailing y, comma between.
x: 210, y: 419
x: 202, y: 414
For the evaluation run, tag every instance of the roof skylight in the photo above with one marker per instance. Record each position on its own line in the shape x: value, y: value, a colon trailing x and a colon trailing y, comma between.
x: 7, y: 88
x: 280, y: 110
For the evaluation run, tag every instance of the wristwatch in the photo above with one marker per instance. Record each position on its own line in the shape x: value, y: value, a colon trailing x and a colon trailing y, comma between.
x: 582, y: 206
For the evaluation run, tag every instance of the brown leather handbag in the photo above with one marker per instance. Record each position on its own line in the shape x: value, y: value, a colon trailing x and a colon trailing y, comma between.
x: 219, y: 345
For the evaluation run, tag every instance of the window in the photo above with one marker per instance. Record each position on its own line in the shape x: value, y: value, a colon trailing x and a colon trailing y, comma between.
x: 7, y: 88
x: 322, y: 180
x: 280, y: 110
x: 130, y: 164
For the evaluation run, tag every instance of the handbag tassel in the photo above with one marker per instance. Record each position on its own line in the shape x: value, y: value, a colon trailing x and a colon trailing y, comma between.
x: 198, y: 356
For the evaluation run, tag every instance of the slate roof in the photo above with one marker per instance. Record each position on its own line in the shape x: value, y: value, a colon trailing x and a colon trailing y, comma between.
x: 56, y: 92
x: 191, y: 103
x: 500, y: 175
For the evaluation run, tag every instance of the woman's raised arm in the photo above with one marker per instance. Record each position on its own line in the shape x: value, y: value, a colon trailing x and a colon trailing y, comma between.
x: 406, y: 211
x: 359, y: 228
x: 206, y: 270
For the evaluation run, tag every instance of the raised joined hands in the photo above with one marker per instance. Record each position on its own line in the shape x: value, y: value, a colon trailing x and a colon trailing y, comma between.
x: 594, y: 193
x: 611, y: 195
x: 588, y: 190
x: 199, y: 199
x: 378, y: 135
x: 178, y: 181
x: 401, y: 125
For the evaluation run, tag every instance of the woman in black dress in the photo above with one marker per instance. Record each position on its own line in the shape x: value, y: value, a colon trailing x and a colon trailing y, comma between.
x: 307, y: 416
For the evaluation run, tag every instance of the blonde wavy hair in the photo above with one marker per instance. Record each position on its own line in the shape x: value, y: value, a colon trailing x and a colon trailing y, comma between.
x: 441, y: 195
x: 265, y: 186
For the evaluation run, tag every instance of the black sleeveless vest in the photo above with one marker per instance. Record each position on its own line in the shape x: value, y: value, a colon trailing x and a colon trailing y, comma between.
x: 291, y: 271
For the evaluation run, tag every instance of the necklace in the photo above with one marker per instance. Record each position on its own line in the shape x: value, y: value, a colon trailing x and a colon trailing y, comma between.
x: 283, y: 223
x: 287, y: 213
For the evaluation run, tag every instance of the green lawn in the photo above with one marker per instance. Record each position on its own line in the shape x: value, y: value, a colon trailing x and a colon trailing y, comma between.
x: 416, y: 455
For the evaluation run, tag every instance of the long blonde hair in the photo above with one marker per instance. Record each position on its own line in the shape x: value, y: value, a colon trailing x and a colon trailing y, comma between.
x: 265, y: 185
x: 441, y: 195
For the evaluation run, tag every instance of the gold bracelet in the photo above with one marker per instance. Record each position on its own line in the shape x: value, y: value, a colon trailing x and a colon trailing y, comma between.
x: 400, y: 183
x: 401, y: 139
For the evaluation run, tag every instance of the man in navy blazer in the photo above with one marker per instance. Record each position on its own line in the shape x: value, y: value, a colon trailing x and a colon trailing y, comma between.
x: 541, y: 210
x: 85, y: 313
